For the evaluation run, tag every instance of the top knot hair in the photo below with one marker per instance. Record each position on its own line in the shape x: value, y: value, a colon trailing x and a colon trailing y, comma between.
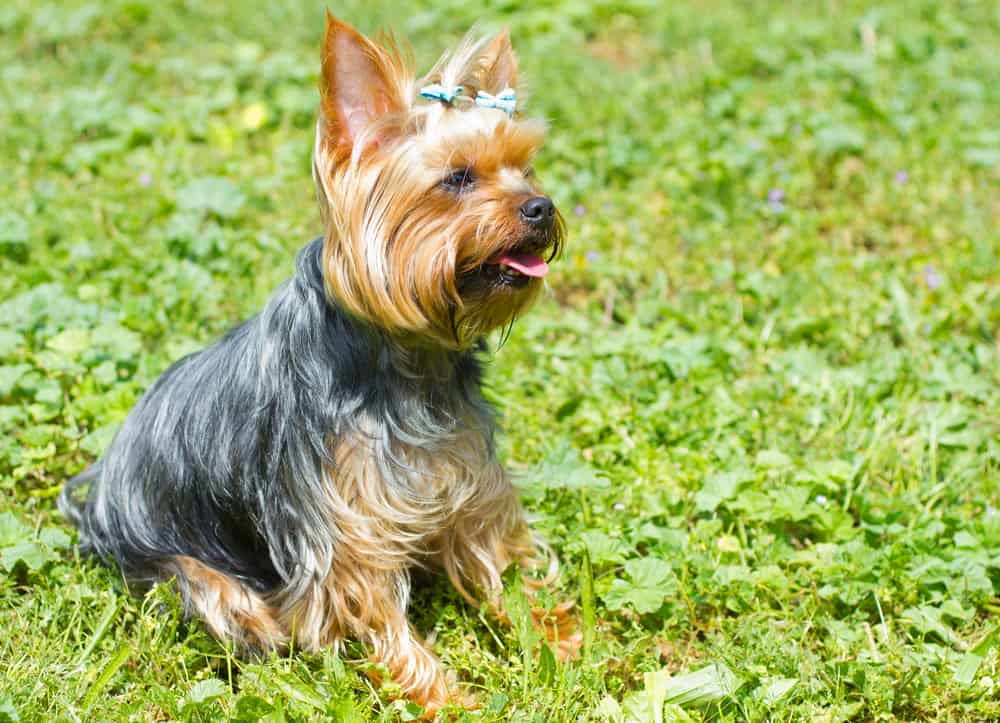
x: 367, y: 82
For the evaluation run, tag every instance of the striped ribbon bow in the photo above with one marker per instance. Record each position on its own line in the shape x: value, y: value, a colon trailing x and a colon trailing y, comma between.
x: 435, y: 91
x: 505, y: 100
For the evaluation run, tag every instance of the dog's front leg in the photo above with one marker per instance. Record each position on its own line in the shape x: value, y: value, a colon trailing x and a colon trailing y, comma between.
x: 398, y: 649
x: 360, y: 600
x: 486, y: 537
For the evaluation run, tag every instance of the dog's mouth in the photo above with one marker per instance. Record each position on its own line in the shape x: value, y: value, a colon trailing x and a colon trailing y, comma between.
x: 521, y: 265
x: 518, y: 269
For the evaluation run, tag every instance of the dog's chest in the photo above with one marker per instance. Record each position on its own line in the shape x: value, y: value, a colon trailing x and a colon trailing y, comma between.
x: 410, y: 484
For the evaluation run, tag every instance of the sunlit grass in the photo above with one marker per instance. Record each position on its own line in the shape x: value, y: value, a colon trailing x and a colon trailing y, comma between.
x: 756, y: 413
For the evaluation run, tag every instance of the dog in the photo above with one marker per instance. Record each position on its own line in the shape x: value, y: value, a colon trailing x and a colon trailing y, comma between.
x: 290, y: 477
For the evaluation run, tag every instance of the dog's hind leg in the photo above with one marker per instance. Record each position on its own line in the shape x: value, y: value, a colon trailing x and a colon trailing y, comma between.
x: 231, y: 611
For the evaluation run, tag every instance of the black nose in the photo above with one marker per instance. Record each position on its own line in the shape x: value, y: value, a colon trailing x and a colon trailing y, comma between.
x: 538, y: 212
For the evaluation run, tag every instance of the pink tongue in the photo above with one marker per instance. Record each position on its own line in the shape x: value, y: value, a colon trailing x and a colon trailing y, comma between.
x: 527, y: 264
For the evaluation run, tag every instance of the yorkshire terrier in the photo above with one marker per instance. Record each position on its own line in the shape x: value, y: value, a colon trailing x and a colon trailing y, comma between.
x: 292, y: 475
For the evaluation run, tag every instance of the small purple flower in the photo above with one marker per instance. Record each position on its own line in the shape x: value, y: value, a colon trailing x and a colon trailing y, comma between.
x: 592, y: 256
x: 776, y: 200
x: 931, y: 277
x: 145, y: 180
x: 902, y: 177
x: 579, y: 210
x: 619, y: 506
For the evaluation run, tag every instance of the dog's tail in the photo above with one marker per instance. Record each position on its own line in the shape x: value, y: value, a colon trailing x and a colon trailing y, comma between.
x: 71, y: 506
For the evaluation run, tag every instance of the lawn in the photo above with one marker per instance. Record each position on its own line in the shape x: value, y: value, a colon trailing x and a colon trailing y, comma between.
x: 758, y: 412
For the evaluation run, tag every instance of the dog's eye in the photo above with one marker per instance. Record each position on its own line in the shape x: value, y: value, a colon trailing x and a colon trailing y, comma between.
x: 529, y: 172
x: 458, y: 180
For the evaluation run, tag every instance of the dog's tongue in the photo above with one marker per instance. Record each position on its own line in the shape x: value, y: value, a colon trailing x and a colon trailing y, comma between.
x: 527, y: 264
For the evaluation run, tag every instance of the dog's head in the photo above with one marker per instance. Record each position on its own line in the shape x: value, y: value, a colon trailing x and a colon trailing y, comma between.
x: 436, y: 227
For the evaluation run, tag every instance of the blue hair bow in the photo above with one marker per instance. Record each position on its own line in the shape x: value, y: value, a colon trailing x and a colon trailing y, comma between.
x: 435, y: 91
x: 505, y: 100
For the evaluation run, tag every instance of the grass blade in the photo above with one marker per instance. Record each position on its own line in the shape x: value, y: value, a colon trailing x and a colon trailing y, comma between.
x: 110, y: 610
x: 106, y: 675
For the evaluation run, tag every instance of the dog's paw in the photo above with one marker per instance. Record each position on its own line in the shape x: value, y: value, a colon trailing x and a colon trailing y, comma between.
x: 451, y: 695
x: 560, y: 627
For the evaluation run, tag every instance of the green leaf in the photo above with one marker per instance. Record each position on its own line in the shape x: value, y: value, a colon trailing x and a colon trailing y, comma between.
x: 10, y: 341
x: 985, y: 157
x: 32, y: 554
x: 9, y: 376
x: 13, y: 229
x: 772, y: 459
x: 927, y: 620
x: 71, y: 342
x: 105, y: 373
x: 773, y: 690
x: 54, y: 538
x: 836, y: 470
x: 98, y: 440
x: 498, y: 701
x: 969, y: 579
x: 410, y: 711
x: 11, y: 415
x: 665, y: 696
x: 791, y: 503
x: 566, y: 469
x: 603, y: 548
x: 8, y: 713
x: 701, y: 687
x: 834, y: 140
x: 14, y: 237
x: 294, y: 688
x: 547, y: 667
x: 648, y: 572
x: 202, y: 693
x: 968, y: 666
x: 214, y: 195
x: 251, y: 708
x: 12, y: 529
x: 650, y: 582
x: 120, y: 343
x: 46, y: 304
x: 717, y: 489
x: 49, y: 393
x: 610, y: 710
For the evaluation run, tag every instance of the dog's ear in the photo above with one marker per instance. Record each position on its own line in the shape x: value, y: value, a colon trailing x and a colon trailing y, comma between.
x: 498, y: 64
x: 360, y: 83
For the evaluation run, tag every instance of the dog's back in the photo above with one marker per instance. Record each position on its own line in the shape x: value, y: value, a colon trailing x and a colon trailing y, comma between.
x: 199, y: 463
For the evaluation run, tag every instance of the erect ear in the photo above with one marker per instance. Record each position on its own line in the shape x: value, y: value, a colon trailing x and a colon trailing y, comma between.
x: 360, y: 83
x: 498, y: 64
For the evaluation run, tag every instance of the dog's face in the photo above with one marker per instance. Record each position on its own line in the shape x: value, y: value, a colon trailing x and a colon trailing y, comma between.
x: 436, y: 226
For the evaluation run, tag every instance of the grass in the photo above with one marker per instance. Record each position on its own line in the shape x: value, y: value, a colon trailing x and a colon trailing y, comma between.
x: 757, y: 413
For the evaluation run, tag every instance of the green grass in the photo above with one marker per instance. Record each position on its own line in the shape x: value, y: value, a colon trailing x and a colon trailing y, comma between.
x: 757, y: 413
